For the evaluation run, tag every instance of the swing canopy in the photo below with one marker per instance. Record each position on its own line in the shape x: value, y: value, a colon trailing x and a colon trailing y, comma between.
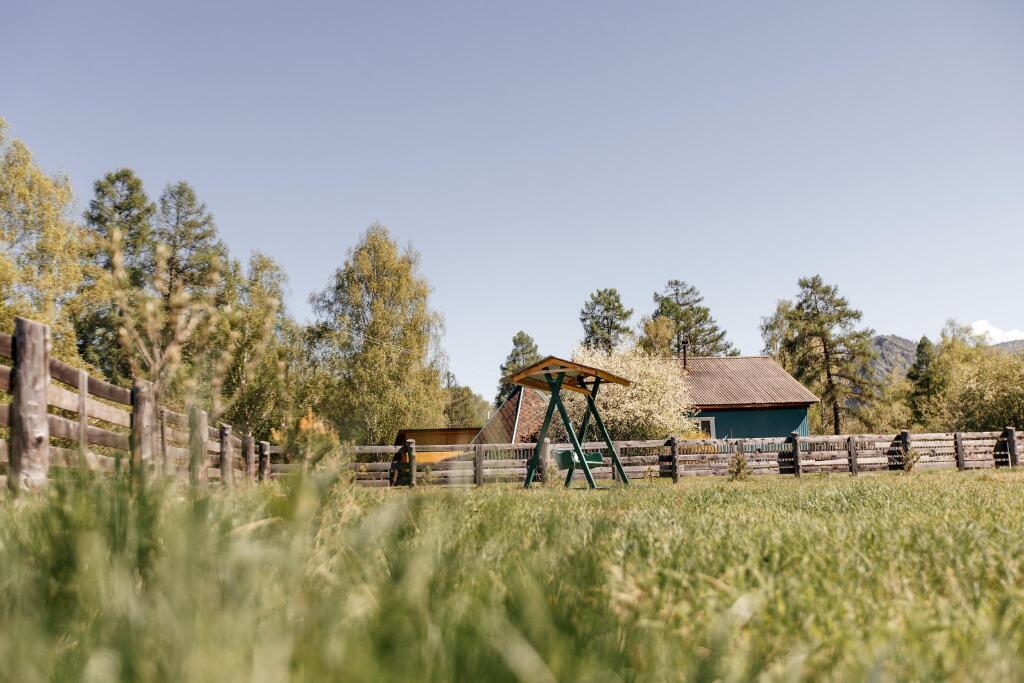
x: 575, y: 375
x: 552, y: 375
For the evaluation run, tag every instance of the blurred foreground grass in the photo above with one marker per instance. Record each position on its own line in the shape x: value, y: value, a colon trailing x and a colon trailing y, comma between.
x: 882, y: 577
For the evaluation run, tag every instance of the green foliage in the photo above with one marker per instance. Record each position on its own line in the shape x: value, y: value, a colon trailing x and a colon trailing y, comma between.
x: 604, y: 320
x: 691, y: 321
x: 739, y: 467
x: 970, y: 385
x: 377, y: 340
x: 832, y: 578
x: 254, y: 389
x: 119, y: 209
x: 465, y: 408
x: 816, y: 339
x: 523, y: 354
x: 120, y: 203
x: 43, y: 268
x: 921, y: 376
x: 194, y: 251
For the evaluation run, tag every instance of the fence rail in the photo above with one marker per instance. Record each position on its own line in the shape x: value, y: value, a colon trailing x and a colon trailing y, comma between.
x: 475, y: 464
x: 61, y: 417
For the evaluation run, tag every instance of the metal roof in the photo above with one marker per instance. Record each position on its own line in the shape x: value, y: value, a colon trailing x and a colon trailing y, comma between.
x: 743, y: 382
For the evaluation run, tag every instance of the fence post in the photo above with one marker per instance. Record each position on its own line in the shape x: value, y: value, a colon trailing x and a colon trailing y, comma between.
x: 851, y: 454
x: 29, y: 464
x: 198, y: 433
x: 141, y: 440
x: 549, y: 471
x: 958, y: 444
x: 410, y: 448
x: 478, y: 465
x: 615, y: 475
x: 263, y: 472
x: 794, y: 438
x: 904, y: 448
x: 1011, y: 445
x: 83, y: 418
x: 673, y: 452
x: 227, y: 457
x: 248, y: 451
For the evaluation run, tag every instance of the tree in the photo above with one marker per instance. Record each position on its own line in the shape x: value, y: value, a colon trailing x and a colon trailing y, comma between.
x: 187, y: 229
x: 465, y: 408
x: 655, y: 405
x: 816, y: 339
x: 681, y: 305
x: 656, y: 336
x: 253, y: 391
x: 922, y: 379
x: 119, y: 205
x: 42, y: 249
x: 604, y: 320
x: 523, y: 353
x: 377, y: 339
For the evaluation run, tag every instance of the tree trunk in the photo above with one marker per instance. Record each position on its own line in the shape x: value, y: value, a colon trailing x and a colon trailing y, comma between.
x: 831, y: 386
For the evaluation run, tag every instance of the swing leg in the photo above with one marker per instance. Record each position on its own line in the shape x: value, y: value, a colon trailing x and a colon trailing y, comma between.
x: 616, y: 463
x: 568, y: 477
x: 575, y: 442
x: 531, y: 470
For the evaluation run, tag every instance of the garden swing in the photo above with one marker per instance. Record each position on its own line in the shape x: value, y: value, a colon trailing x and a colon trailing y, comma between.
x: 552, y: 375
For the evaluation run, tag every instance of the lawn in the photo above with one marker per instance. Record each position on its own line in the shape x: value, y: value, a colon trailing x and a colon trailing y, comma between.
x: 884, y: 576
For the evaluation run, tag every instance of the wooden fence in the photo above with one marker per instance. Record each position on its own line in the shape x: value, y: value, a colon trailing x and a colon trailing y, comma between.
x: 794, y: 455
x: 61, y: 417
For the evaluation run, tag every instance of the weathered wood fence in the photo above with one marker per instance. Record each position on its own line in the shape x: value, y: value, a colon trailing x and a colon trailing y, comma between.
x: 61, y: 417
x: 674, y: 458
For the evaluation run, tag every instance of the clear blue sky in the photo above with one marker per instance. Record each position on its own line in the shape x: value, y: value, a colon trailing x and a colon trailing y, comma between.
x: 534, y: 151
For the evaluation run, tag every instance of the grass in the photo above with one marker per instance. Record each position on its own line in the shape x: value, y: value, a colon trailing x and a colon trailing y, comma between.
x: 891, y: 576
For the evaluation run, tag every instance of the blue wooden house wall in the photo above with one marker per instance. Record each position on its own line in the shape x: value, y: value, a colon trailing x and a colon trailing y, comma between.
x: 748, y: 423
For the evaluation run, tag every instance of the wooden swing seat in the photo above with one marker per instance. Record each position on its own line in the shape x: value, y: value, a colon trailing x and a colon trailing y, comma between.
x: 565, y: 459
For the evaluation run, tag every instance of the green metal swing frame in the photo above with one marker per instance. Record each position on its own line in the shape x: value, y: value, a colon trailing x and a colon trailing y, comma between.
x: 551, y: 375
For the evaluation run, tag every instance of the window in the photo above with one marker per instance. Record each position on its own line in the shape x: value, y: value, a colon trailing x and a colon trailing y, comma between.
x: 707, y: 425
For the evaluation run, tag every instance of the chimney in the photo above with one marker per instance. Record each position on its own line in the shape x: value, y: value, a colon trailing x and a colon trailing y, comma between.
x: 686, y: 350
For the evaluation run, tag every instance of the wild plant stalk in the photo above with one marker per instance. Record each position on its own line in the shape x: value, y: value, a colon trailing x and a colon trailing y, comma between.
x: 159, y: 321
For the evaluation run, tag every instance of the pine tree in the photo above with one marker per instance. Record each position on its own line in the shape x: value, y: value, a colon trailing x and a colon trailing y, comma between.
x: 816, y: 339
x: 187, y: 229
x: 523, y: 353
x: 604, y: 320
x: 119, y: 204
x: 922, y: 379
x: 692, y: 322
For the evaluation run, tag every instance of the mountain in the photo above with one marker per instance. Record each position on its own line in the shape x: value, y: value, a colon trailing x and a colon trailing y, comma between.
x: 897, y: 353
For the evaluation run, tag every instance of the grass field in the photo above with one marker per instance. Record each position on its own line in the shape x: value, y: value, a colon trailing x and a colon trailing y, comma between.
x: 882, y: 577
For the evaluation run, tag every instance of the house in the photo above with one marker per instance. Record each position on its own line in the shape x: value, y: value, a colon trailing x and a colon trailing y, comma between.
x: 517, y: 420
x: 746, y: 397
x: 735, y: 396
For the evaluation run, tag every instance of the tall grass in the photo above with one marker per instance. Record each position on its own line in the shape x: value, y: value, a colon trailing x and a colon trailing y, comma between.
x: 890, y: 576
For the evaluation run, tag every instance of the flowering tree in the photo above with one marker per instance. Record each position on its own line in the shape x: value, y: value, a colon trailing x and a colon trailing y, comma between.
x: 656, y: 404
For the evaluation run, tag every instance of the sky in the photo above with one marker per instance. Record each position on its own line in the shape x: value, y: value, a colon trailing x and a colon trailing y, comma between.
x: 532, y: 152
